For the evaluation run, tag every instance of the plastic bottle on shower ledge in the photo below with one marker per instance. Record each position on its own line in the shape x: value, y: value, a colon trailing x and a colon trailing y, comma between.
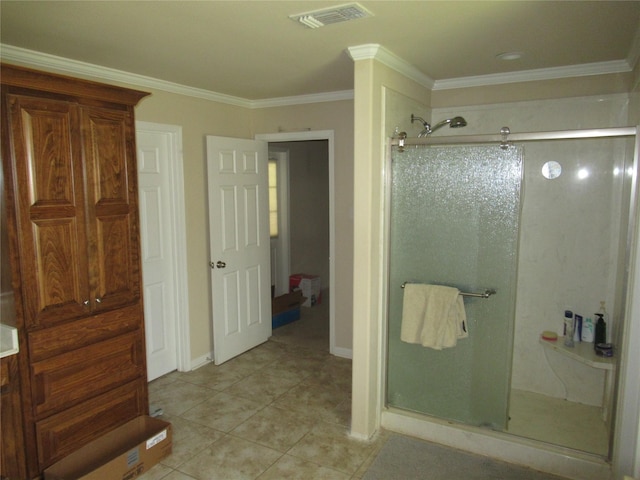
x: 577, y: 328
x: 568, y: 328
x: 601, y: 331
x: 605, y: 316
x: 587, y: 330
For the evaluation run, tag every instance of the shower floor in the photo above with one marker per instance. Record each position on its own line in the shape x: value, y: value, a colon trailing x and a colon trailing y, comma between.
x: 558, y: 421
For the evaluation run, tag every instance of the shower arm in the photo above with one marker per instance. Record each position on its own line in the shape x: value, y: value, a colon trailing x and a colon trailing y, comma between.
x: 427, y: 128
x: 439, y: 125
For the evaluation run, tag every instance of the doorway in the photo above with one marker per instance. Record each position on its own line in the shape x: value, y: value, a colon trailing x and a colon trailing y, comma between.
x: 309, y: 155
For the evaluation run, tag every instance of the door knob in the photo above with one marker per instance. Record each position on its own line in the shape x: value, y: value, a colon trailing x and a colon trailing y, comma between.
x: 220, y: 264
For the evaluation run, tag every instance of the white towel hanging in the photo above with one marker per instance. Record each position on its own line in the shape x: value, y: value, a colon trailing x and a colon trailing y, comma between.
x: 433, y: 316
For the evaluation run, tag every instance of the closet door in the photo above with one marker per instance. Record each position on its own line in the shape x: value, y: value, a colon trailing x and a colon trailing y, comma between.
x: 112, y: 207
x: 47, y: 184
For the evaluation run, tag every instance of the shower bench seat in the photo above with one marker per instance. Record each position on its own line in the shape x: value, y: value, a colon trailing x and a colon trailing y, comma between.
x: 583, y: 352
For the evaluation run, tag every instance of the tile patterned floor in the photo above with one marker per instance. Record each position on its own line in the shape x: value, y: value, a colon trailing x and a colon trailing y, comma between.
x: 279, y: 411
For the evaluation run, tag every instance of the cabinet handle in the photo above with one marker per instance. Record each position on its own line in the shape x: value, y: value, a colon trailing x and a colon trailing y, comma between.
x: 86, y: 302
x: 98, y: 300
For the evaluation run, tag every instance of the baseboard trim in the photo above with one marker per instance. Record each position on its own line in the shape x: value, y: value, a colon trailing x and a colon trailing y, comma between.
x: 201, y: 361
x: 342, y: 352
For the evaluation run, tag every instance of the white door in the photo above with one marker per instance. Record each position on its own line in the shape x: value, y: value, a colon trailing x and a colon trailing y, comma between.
x: 239, y: 245
x: 154, y: 156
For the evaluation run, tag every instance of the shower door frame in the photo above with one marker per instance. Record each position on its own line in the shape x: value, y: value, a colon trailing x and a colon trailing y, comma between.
x: 626, y: 385
x: 519, y: 137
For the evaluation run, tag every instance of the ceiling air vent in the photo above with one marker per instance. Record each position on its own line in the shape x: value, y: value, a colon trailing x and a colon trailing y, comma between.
x: 327, y: 16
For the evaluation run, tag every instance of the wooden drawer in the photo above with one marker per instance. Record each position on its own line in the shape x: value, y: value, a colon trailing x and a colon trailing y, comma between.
x: 70, y: 378
x: 63, y: 433
x: 48, y: 342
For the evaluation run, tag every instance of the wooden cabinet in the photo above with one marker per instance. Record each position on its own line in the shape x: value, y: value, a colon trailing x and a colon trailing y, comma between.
x: 68, y: 150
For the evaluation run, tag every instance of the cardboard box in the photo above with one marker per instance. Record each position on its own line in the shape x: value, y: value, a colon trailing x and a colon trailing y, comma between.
x: 121, y: 454
x: 286, y: 302
x: 286, y: 308
x: 284, y: 318
x: 310, y: 287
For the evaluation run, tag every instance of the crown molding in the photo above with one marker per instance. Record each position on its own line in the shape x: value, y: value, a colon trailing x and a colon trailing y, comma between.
x: 302, y: 99
x: 378, y: 52
x: 31, y: 58
x: 45, y: 61
x: 582, y: 70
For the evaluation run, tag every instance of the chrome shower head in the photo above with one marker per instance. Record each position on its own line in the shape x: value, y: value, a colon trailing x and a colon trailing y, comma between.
x: 455, y: 122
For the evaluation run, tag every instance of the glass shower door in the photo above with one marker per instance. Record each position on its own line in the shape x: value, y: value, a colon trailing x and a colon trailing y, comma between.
x: 454, y: 221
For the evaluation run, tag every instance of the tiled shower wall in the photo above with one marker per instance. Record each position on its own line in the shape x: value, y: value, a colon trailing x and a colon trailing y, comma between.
x: 570, y: 249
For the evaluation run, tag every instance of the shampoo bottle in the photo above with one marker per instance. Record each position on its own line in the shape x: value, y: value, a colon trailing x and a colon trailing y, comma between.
x: 587, y: 330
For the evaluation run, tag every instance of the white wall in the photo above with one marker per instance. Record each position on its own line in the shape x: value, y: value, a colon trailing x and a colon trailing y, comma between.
x: 199, y: 118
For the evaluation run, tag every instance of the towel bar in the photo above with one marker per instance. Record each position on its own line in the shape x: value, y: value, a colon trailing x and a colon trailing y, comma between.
x: 485, y: 294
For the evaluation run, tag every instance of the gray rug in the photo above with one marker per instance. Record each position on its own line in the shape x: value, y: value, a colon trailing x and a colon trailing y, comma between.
x: 403, y: 458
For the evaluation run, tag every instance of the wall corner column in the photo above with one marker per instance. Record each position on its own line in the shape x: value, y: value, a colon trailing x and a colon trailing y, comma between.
x: 367, y: 378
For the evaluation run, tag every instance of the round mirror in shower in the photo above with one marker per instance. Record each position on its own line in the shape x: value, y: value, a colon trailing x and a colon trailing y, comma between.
x: 551, y: 170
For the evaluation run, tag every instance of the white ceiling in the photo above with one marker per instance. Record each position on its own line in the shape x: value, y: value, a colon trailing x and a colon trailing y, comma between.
x: 253, y: 50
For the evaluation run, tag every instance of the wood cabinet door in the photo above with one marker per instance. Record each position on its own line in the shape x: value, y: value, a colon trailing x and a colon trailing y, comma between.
x: 112, y: 207
x: 46, y: 184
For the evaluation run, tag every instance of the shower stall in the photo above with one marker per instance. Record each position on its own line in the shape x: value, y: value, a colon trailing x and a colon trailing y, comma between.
x: 543, y: 222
